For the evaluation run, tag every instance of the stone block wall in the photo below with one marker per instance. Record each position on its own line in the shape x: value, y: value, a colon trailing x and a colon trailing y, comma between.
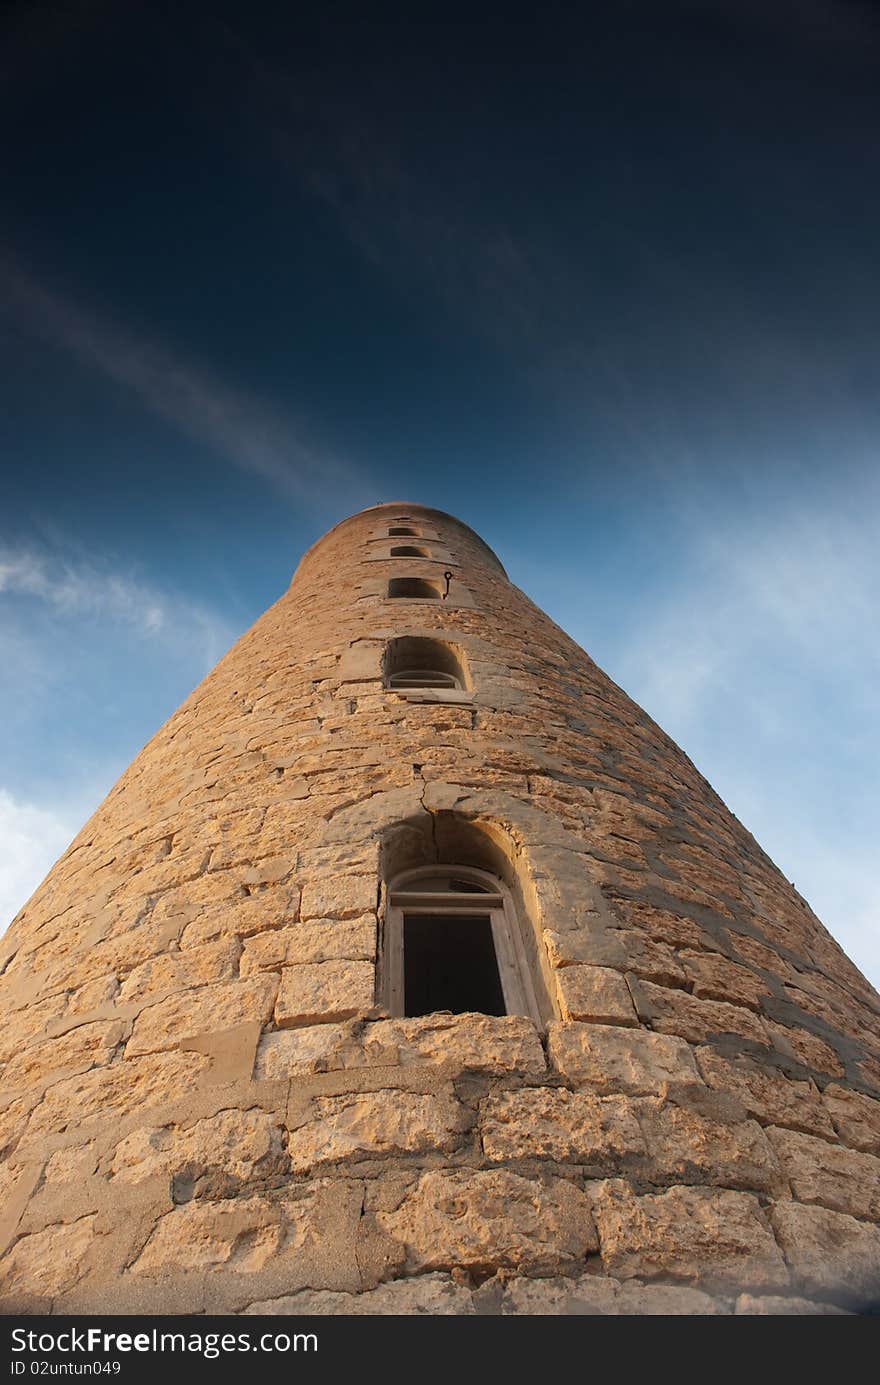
x: 206, y: 1109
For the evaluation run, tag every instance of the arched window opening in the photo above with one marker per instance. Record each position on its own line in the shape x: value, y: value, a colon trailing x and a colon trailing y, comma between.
x: 413, y: 662
x: 409, y: 551
x: 413, y: 589
x: 453, y: 942
x: 403, y: 531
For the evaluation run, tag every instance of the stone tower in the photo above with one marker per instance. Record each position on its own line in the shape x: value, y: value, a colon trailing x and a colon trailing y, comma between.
x: 412, y: 968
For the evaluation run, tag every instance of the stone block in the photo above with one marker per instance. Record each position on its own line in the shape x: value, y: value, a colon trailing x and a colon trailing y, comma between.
x: 338, y: 897
x: 834, y: 1177
x: 320, y: 992
x: 773, y: 1305
x: 552, y: 1123
x: 716, y: 1239
x: 323, y: 940
x: 361, y: 662
x: 856, y: 1117
x: 177, y: 971
x: 373, y: 1125
x: 665, y: 1301
x: 81, y: 1048
x: 609, y: 1059
x: 300, y: 1052
x: 49, y: 1262
x: 237, y: 1145
x: 685, y: 1146
x: 493, y: 1044
x: 589, y: 1296
x: 436, y: 1295
x: 677, y: 1012
x: 489, y: 1219
x: 596, y: 994
x: 132, y: 1084
x: 767, y: 1094
x: 204, y: 1011
x: 298, y: 1239
x: 243, y: 917
x: 831, y: 1256
x: 715, y: 977
x: 805, y: 1048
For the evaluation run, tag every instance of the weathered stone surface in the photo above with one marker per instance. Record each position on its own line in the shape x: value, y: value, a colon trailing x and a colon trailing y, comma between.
x: 361, y: 661
x: 587, y: 1296
x: 323, y: 940
x: 339, y: 897
x: 297, y: 1052
x: 665, y: 1300
x: 74, y: 1051
x: 247, y: 1235
x: 716, y: 1239
x: 717, y: 978
x: 767, y: 1094
x: 594, y: 1295
x: 478, y: 1043
x: 609, y: 1059
x: 320, y: 992
x: 835, y: 1177
x: 203, y: 1011
x: 28, y: 1025
x: 370, y: 1125
x: 831, y: 1256
x: 856, y: 1117
x: 772, y: 1305
x: 177, y: 971
x: 242, y: 916
x: 236, y: 1144
x: 806, y: 1048
x: 676, y: 1012
x: 494, y: 1218
x: 71, y: 1164
x: 92, y: 996
x: 48, y: 1262
x: 597, y: 994
x: 685, y: 1146
x: 133, y: 1084
x: 571, y: 1127
x: 434, y: 1294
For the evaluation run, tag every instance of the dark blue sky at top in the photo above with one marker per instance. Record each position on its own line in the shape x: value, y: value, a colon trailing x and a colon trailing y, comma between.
x: 600, y: 279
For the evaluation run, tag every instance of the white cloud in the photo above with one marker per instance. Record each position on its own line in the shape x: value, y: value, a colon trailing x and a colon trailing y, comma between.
x: 762, y: 662
x: 78, y: 588
x: 245, y: 430
x: 31, y: 840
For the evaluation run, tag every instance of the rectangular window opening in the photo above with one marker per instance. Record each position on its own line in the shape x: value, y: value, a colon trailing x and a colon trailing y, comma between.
x: 450, y: 963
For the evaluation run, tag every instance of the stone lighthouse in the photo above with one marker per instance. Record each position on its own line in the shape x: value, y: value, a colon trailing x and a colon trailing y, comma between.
x: 411, y: 968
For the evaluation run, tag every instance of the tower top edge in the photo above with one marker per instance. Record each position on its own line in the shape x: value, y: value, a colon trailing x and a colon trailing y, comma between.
x: 404, y: 509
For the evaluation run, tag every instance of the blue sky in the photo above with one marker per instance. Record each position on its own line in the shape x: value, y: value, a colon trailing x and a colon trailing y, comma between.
x: 603, y: 283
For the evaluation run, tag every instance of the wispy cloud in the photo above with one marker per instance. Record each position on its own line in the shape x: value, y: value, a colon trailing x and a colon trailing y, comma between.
x: 784, y: 594
x: 763, y: 661
x: 77, y: 588
x: 243, y: 429
x: 31, y: 839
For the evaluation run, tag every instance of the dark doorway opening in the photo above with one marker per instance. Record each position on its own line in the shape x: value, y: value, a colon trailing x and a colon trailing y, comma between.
x: 449, y: 963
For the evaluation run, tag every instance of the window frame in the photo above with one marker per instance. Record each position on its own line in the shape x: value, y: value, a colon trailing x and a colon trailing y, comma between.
x: 427, y: 678
x: 404, y: 897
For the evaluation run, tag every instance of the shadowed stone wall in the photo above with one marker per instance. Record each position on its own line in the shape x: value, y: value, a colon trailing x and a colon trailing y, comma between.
x: 205, y: 1109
